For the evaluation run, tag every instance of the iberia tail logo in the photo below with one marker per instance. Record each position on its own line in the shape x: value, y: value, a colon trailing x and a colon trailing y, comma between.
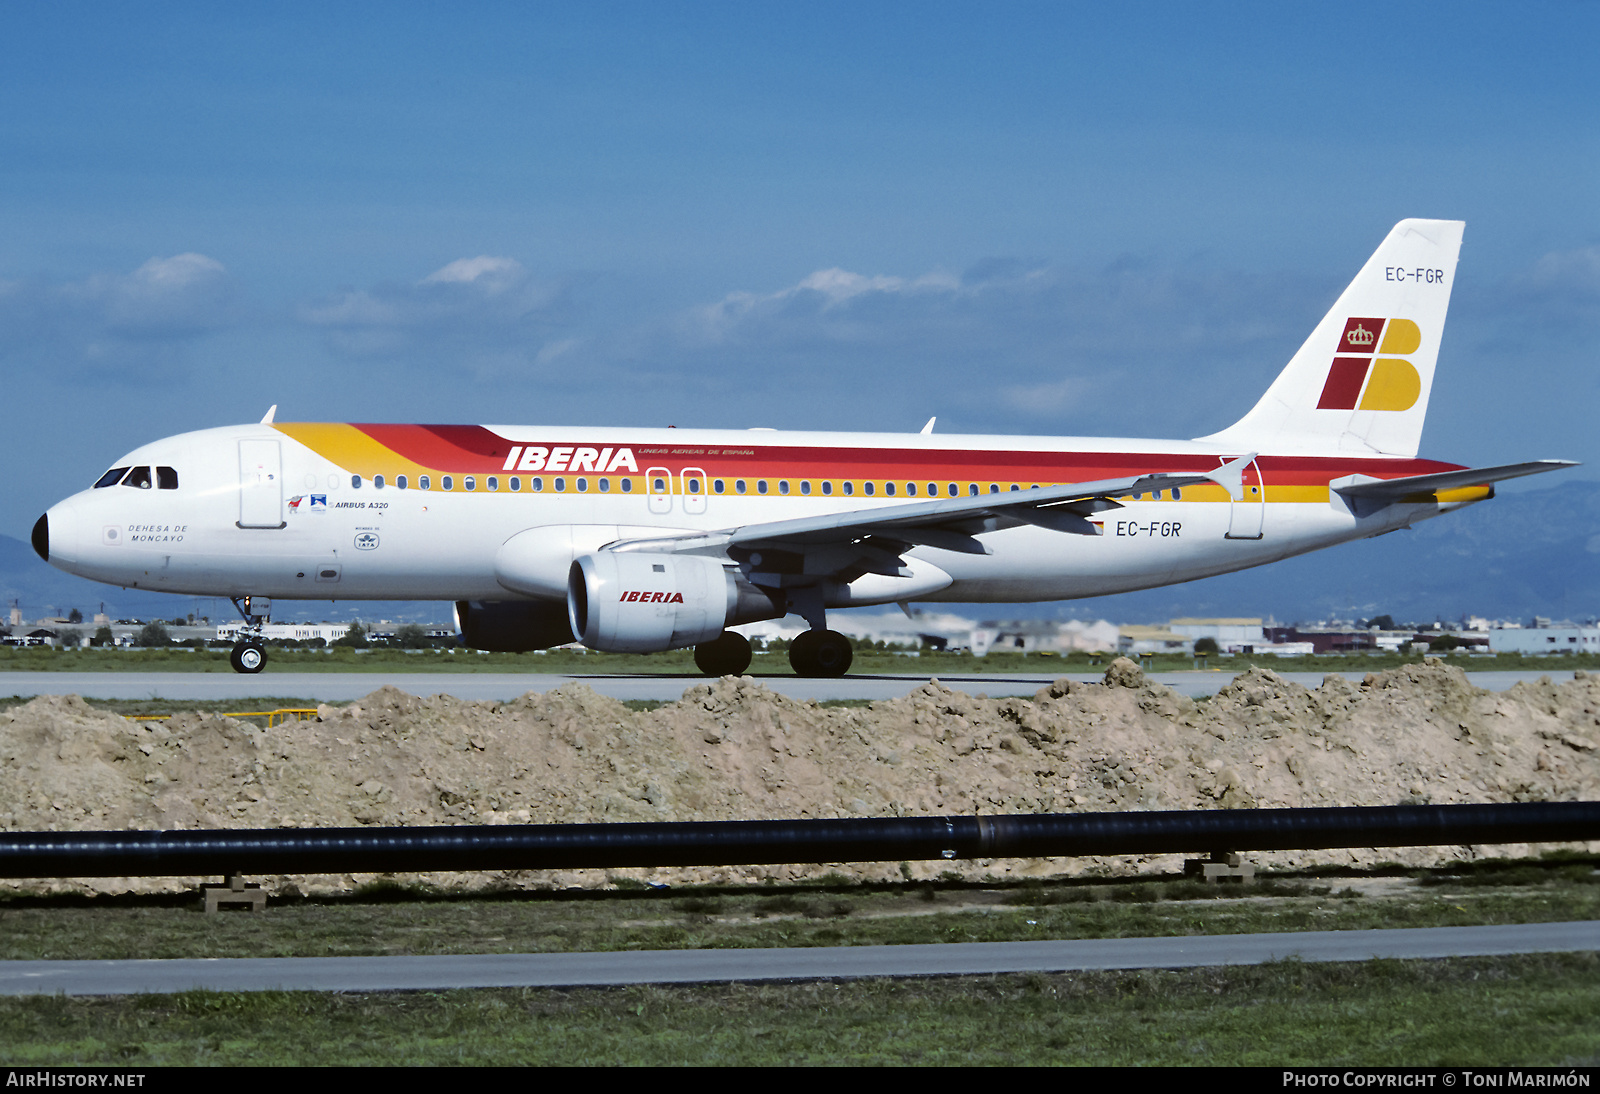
x: 1363, y: 377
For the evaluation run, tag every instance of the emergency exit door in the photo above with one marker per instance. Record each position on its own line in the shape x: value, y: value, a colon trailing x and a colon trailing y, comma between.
x: 693, y: 480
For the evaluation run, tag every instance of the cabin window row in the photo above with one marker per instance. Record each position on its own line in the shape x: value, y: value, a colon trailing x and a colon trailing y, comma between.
x: 583, y: 484
x: 850, y: 488
x: 493, y: 483
x: 782, y: 487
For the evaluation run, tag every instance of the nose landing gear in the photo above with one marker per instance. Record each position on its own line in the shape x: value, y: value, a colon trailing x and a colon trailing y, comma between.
x: 249, y: 654
x: 248, y: 657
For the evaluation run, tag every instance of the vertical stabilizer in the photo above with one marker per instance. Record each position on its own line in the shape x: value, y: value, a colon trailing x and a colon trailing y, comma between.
x: 1360, y: 383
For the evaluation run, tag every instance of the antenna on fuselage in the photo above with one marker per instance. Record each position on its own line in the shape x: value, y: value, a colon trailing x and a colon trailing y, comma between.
x: 270, y: 414
x: 929, y: 427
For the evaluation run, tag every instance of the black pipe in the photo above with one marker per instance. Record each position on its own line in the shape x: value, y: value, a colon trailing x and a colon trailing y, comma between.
x: 745, y: 843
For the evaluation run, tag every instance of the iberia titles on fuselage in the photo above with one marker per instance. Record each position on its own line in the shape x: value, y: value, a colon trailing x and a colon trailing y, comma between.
x: 650, y: 539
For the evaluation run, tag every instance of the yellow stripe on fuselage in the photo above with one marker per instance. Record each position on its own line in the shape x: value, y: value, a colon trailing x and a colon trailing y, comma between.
x: 351, y: 449
x: 1292, y: 494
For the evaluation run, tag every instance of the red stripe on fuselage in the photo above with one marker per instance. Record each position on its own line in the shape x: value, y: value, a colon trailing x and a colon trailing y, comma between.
x: 465, y: 448
x: 470, y: 449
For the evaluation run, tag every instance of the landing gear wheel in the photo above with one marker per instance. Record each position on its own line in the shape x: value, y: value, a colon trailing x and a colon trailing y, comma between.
x: 248, y: 657
x: 820, y: 653
x: 726, y: 655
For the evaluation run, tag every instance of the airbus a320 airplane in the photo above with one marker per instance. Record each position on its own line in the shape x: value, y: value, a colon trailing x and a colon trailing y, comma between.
x: 655, y: 539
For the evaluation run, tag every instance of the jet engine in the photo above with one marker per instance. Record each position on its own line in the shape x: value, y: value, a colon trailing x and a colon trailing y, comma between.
x: 512, y: 626
x: 639, y: 602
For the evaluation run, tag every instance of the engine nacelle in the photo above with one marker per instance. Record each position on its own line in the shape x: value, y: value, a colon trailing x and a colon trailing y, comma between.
x: 512, y: 626
x: 637, y: 602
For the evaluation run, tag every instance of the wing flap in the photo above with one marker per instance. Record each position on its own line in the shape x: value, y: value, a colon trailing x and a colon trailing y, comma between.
x: 1043, y: 505
x: 844, y: 545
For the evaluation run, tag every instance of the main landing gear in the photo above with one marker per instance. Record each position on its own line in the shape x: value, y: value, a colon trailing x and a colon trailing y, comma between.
x: 249, y: 654
x: 812, y: 653
x: 816, y: 652
x: 726, y: 655
x: 820, y: 653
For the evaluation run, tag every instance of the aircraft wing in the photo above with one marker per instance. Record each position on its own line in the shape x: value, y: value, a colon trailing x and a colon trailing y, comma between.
x: 1421, y: 487
x: 871, y: 540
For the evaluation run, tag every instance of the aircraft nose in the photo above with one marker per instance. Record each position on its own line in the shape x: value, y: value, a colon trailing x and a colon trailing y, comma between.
x: 55, y: 535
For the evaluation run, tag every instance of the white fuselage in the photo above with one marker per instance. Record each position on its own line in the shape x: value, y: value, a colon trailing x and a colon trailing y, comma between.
x: 297, y: 512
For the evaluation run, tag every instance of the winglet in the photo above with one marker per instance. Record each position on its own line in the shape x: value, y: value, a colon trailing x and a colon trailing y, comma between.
x: 272, y: 412
x: 1230, y: 476
x: 929, y: 427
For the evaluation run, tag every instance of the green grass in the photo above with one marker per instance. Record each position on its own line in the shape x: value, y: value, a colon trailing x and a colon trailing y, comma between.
x: 386, y: 919
x: 130, y: 708
x: 681, y: 662
x: 1530, y: 1010
x: 1526, y: 1010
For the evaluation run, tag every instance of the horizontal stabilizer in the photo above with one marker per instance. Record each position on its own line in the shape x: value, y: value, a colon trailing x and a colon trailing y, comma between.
x: 1391, y: 490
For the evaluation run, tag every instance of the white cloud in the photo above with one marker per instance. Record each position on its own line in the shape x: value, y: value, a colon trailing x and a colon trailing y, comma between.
x: 554, y: 351
x: 186, y: 293
x: 1010, y: 343
x: 1570, y: 276
x: 840, y: 285
x: 485, y: 268
x: 1553, y: 303
x: 355, y: 309
x: 110, y: 320
x: 485, y: 312
x: 178, y: 272
x: 820, y: 293
x: 1049, y: 397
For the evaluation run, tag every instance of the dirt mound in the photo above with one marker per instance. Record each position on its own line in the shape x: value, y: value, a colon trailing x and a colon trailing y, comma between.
x: 732, y: 750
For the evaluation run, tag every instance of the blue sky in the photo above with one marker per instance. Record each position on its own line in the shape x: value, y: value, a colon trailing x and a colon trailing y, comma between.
x: 1052, y: 218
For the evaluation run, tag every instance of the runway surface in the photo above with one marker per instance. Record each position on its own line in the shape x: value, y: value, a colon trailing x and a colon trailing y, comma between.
x: 332, y: 687
x: 439, y: 973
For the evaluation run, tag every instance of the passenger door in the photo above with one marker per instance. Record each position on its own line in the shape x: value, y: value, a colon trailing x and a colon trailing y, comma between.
x: 693, y: 482
x: 260, y: 485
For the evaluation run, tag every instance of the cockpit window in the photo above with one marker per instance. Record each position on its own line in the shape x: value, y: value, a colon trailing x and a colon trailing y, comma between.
x: 166, y: 478
x: 140, y: 477
x: 111, y: 478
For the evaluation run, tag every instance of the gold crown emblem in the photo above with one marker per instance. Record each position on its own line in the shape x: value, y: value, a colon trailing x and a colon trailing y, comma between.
x: 1361, y: 336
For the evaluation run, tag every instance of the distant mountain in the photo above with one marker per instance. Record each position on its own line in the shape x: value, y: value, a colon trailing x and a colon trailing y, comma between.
x: 1533, y: 552
x: 43, y: 591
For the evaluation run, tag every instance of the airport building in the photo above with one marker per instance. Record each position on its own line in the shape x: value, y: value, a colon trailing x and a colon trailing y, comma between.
x: 1137, y: 639
x: 280, y: 632
x: 1342, y: 639
x: 1562, y: 637
x: 1230, y: 633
